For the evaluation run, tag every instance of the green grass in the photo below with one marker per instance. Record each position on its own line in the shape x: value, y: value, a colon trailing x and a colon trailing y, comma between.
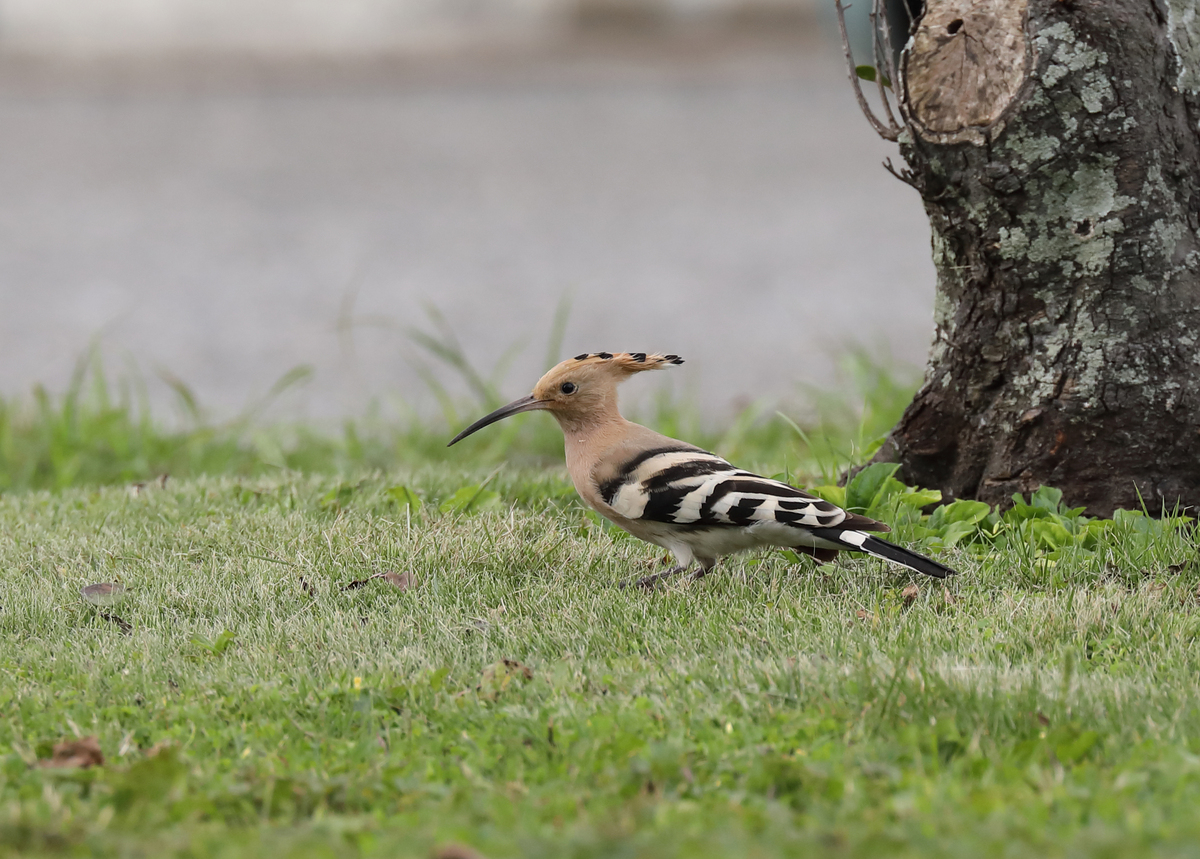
x: 1041, y: 704
x: 101, y: 431
x: 1044, y: 702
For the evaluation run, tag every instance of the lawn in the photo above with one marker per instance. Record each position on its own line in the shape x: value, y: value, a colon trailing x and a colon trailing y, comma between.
x: 499, y: 693
x: 360, y: 644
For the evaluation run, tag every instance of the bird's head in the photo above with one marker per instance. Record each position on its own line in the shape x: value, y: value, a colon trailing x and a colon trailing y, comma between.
x: 579, y: 389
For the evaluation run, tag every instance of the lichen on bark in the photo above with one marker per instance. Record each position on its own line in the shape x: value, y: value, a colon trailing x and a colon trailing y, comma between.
x: 1065, y: 217
x: 1183, y: 29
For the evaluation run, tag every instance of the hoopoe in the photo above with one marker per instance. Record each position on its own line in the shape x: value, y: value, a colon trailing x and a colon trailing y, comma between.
x: 675, y: 495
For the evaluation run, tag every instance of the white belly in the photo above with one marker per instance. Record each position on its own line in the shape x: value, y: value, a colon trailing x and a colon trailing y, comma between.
x: 712, y: 543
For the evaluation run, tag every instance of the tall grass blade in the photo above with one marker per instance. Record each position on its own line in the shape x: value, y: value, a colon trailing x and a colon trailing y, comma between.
x: 558, y: 330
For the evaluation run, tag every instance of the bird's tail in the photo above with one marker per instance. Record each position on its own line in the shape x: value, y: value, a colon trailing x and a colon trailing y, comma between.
x: 859, y: 541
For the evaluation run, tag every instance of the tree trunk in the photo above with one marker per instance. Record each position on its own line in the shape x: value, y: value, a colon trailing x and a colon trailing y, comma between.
x: 1056, y: 146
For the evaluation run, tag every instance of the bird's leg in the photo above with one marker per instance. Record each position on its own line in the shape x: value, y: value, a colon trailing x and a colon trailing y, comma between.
x: 705, y: 567
x: 650, y: 581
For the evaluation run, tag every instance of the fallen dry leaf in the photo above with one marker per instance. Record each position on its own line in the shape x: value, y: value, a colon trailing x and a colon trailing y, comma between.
x: 518, y: 668
x: 909, y: 594
x: 402, y: 581
x: 103, y: 593
x: 125, y: 626
x: 75, y: 754
x: 861, y: 615
x: 499, y: 675
x: 950, y: 598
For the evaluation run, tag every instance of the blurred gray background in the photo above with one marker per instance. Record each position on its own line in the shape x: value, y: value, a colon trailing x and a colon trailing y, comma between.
x: 226, y: 189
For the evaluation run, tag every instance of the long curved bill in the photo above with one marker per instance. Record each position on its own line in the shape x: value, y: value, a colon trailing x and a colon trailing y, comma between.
x: 525, y: 404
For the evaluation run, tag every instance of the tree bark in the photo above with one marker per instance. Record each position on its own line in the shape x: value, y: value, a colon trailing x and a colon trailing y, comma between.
x: 1056, y: 146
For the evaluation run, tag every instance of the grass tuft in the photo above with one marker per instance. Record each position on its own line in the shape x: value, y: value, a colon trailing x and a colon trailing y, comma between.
x: 102, y: 432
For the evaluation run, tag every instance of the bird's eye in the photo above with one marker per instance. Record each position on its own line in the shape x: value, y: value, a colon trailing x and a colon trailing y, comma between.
x: 568, y: 387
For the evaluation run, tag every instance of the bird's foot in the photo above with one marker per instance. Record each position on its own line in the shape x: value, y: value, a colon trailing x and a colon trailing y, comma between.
x: 649, y: 582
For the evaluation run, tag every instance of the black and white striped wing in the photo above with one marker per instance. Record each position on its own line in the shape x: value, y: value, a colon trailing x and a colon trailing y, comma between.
x: 695, y: 489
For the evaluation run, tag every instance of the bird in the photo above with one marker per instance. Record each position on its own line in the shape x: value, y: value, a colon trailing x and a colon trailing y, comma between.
x: 678, y: 496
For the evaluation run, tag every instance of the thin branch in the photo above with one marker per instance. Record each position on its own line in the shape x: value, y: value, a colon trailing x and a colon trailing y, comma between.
x: 884, y: 131
x: 881, y: 47
x: 905, y: 175
x: 890, y: 53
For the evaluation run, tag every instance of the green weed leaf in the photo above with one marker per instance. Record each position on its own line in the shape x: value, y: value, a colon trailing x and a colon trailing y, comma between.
x: 1074, y: 748
x: 150, y: 782
x: 1022, y: 512
x: 215, y: 646
x: 832, y: 494
x: 868, y: 487
x: 1047, y: 498
x: 404, y: 497
x: 1050, y: 534
x: 437, y: 679
x: 969, y: 512
x: 920, y: 497
x: 868, y: 73
x: 470, y: 499
x: 956, y: 531
x: 337, y: 498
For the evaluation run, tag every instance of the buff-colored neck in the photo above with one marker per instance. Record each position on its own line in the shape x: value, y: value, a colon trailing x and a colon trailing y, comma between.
x: 588, y: 437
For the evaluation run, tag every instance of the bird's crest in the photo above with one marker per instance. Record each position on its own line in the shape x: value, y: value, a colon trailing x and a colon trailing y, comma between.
x: 630, y: 362
x: 579, y: 390
x: 588, y: 383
